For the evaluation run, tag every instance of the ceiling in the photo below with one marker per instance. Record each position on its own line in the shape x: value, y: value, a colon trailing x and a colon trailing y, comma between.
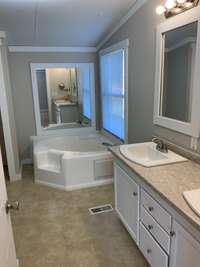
x: 60, y: 22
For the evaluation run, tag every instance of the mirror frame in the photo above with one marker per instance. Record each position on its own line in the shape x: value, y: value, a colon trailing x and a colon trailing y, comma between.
x: 46, y: 131
x: 189, y: 128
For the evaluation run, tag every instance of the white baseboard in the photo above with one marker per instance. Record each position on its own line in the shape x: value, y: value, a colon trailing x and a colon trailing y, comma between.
x: 76, y: 187
x: 89, y: 185
x: 18, y: 176
x: 61, y: 187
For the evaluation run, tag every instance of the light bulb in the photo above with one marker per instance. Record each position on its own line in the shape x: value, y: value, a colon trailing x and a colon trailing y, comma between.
x: 170, y: 4
x: 177, y: 10
x: 181, y: 1
x: 160, y: 10
x: 188, y: 4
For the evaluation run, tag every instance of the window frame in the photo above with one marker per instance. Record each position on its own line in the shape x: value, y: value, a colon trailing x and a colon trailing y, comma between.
x: 123, y: 45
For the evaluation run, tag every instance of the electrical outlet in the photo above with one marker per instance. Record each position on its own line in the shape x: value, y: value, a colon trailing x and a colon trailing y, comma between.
x: 194, y: 143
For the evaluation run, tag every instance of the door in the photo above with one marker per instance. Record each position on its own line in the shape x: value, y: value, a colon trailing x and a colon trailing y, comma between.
x: 185, y: 250
x: 7, y: 247
x: 127, y: 201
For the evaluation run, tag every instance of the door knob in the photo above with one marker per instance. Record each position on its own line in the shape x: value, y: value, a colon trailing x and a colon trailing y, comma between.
x: 14, y: 205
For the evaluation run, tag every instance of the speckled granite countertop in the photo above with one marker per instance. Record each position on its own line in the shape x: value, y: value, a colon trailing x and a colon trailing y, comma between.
x: 170, y: 181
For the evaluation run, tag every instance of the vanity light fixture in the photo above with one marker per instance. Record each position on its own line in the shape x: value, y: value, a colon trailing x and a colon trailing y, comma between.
x: 174, y: 7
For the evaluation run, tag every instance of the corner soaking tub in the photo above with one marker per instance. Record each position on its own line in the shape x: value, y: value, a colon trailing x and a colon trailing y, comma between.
x: 72, y: 162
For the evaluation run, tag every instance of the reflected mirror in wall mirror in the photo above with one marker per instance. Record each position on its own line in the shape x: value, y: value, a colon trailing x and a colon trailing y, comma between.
x: 178, y: 63
x: 62, y: 96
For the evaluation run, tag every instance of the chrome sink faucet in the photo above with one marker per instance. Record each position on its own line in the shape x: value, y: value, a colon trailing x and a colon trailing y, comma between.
x: 160, y: 145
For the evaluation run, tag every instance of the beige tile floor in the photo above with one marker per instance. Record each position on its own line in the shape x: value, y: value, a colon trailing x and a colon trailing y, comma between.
x: 53, y: 228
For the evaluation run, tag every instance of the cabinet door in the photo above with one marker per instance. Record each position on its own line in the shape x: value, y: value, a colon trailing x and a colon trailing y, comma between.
x: 185, y: 250
x: 127, y: 201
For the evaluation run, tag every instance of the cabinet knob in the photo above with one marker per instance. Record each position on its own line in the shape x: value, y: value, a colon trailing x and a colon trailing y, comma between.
x: 150, y: 227
x: 149, y: 251
x: 135, y: 194
x: 150, y: 209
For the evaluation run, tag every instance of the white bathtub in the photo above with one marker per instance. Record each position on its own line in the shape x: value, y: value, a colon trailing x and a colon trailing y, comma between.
x: 72, y: 162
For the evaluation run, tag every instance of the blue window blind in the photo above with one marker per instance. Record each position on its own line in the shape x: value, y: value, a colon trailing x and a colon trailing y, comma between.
x: 112, y: 92
x: 86, y: 92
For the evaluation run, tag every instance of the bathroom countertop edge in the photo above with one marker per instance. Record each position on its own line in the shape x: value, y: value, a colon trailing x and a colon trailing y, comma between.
x: 158, y: 177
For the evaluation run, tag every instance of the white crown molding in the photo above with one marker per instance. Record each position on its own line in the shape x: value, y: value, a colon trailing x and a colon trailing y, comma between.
x: 138, y: 4
x: 51, y: 49
x: 54, y: 49
x: 121, y: 45
x: 181, y: 43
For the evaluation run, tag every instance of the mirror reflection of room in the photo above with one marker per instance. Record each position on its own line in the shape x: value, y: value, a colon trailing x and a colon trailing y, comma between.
x: 179, y: 54
x: 64, y: 97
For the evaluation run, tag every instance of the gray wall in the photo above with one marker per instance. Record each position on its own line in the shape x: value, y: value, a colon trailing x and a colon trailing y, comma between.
x: 19, y: 64
x: 2, y: 143
x: 11, y: 116
x: 141, y: 31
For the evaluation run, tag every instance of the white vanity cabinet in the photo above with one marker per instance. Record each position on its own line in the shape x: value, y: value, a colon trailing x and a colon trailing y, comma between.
x: 127, y: 201
x: 185, y: 250
x: 163, y: 241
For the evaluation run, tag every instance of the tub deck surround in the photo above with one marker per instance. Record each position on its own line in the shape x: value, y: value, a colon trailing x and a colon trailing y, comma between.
x: 73, y: 162
x: 169, y: 181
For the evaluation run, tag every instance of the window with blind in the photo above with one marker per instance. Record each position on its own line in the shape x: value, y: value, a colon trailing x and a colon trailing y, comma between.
x: 113, y: 92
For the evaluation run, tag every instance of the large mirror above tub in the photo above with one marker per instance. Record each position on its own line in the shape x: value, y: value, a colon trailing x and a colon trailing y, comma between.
x: 177, y: 79
x: 64, y: 96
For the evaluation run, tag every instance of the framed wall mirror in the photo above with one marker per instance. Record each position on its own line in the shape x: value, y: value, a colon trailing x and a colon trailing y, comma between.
x: 64, y: 96
x: 177, y: 91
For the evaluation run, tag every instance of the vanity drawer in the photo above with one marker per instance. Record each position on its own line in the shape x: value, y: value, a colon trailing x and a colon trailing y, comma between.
x: 156, y: 211
x: 153, y: 253
x: 156, y: 230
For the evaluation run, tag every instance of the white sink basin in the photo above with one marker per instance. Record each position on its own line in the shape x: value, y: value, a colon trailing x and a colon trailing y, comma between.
x: 147, y: 155
x: 193, y: 200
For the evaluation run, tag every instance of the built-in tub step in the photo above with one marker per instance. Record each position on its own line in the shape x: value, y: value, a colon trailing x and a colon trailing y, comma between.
x: 50, y: 160
x: 50, y: 168
x: 103, y: 168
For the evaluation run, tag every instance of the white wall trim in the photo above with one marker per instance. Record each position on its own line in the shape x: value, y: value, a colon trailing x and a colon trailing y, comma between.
x: 76, y: 187
x: 192, y: 128
x: 18, y: 177
x: 138, y: 4
x: 120, y: 45
x: 123, y: 45
x: 52, y: 49
x: 181, y: 43
x: 6, y: 122
x: 40, y: 130
x: 56, y: 49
